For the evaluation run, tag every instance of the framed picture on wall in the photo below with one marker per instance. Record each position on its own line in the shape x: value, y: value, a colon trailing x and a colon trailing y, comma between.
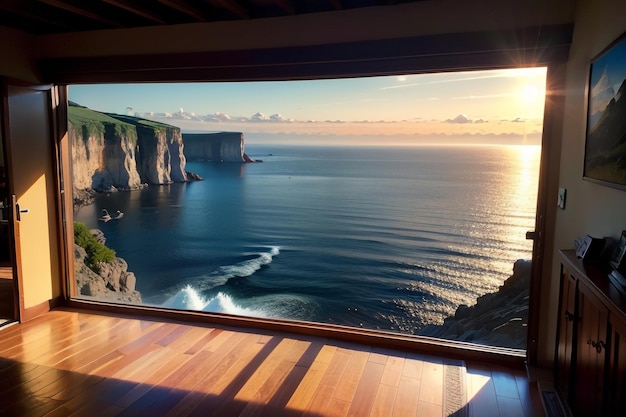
x: 605, y: 144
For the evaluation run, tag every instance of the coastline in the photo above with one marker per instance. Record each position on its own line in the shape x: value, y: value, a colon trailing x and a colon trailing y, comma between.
x: 497, y: 319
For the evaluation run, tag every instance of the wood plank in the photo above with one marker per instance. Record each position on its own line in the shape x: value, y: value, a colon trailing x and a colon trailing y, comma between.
x: 505, y: 384
x: 431, y: 387
x: 481, y: 391
x: 225, y: 385
x: 366, y: 391
x: 307, y: 387
x: 529, y: 396
x: 510, y: 407
x: 413, y: 368
x: 351, y: 377
x: 407, y: 397
x: 426, y: 409
x: 329, y: 382
x: 384, y: 401
x: 393, y: 371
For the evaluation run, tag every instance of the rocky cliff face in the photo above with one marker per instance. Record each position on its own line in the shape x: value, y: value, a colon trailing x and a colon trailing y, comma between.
x: 103, y: 156
x: 113, y: 283
x: 215, y: 147
x: 497, y: 319
x: 111, y: 152
x: 161, y: 158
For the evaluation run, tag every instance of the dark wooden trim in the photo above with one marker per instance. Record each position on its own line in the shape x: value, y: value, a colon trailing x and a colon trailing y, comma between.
x: 534, y: 46
x: 33, y: 312
x: 555, y: 81
x: 426, y: 345
x: 63, y: 199
x: 18, y: 291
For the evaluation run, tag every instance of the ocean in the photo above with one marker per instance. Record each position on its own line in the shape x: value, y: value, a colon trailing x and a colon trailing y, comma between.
x: 375, y: 237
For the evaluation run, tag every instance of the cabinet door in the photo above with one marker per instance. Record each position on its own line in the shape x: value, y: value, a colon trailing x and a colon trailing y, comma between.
x: 591, y: 355
x: 565, y: 353
x: 616, y: 384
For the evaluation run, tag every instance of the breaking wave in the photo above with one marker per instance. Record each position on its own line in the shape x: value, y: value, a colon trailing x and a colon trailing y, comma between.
x: 269, y: 306
x: 239, y: 270
x: 191, y: 297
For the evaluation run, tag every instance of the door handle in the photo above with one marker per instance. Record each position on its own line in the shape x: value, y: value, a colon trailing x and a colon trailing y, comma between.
x: 531, y: 235
x: 18, y: 210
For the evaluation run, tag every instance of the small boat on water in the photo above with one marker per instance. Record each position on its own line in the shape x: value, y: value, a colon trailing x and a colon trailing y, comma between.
x: 105, y: 216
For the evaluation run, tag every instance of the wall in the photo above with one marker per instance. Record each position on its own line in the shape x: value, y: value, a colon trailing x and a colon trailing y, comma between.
x: 591, y: 208
x: 16, y: 62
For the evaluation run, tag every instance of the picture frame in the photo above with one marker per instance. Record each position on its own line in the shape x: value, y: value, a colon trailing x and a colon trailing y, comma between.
x: 605, y: 141
x: 618, y: 259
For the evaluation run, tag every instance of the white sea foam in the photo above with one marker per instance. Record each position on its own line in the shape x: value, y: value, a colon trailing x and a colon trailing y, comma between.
x: 190, y: 297
x: 242, y: 269
x: 275, y: 305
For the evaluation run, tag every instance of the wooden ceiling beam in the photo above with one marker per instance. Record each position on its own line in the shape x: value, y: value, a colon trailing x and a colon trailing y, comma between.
x: 27, y: 14
x: 122, y: 4
x: 287, y: 6
x: 184, y: 8
x: 337, y: 4
x: 232, y: 6
x: 81, y: 12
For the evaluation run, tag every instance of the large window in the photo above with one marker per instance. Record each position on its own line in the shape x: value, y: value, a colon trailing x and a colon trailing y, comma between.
x: 391, y: 203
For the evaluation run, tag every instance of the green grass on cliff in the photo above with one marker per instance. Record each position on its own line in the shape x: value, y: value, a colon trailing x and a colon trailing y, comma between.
x: 143, y: 122
x: 94, y: 122
x: 96, y: 251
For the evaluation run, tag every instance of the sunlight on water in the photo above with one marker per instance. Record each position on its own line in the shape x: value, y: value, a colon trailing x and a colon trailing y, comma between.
x: 392, y: 239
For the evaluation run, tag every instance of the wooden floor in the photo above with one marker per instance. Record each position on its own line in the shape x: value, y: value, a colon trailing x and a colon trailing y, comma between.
x: 83, y: 364
x: 6, y: 294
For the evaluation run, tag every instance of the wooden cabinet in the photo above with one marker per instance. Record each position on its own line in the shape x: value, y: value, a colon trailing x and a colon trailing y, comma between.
x: 565, y: 349
x: 590, y: 356
x: 616, y: 382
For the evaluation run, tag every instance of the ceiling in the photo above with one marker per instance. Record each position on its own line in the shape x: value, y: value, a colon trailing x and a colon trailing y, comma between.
x: 41, y: 17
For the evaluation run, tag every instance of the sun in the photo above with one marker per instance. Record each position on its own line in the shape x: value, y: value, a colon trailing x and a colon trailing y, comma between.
x: 530, y: 93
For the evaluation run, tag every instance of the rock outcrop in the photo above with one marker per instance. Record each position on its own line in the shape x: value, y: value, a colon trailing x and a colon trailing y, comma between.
x: 215, y: 147
x: 113, y: 282
x: 497, y: 319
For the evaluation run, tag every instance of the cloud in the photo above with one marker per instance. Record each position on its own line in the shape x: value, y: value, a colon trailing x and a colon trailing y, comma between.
x: 469, y: 76
x: 601, y: 93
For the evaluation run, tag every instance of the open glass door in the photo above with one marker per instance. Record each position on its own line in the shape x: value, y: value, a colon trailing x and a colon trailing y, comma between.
x: 7, y: 284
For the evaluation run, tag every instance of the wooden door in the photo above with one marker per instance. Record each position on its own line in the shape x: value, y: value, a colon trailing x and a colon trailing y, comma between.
x: 32, y: 184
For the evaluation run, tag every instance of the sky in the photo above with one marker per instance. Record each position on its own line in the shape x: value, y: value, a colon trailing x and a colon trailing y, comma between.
x: 491, y: 106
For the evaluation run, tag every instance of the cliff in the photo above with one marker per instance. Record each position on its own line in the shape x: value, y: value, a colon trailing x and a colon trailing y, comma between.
x: 112, y: 152
x: 215, y: 147
x: 113, y: 282
x: 497, y: 319
x: 160, y: 155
